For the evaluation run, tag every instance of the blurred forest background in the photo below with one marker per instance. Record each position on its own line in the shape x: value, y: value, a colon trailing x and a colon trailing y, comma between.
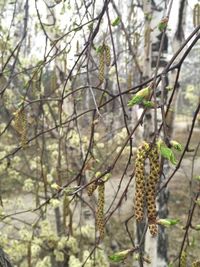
x: 68, y: 72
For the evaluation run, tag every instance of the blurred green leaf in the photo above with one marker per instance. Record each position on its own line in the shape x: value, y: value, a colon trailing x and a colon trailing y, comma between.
x: 168, y: 222
x: 168, y: 88
x: 163, y: 24
x: 176, y: 145
x: 197, y: 178
x: 119, y: 256
x: 140, y: 97
x: 148, y: 104
x: 99, y: 49
x: 116, y: 22
x: 197, y: 227
x: 135, y: 100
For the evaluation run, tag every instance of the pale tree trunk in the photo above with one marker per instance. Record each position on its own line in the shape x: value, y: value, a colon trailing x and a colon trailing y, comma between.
x: 150, y: 246
x: 155, y: 247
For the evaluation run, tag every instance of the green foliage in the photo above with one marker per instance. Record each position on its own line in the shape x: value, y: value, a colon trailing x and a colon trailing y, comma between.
x: 116, y: 22
x: 166, y: 152
x: 141, y: 96
x: 168, y: 222
x: 120, y: 256
x: 135, y: 100
x: 148, y: 104
x: 176, y: 145
x: 163, y: 24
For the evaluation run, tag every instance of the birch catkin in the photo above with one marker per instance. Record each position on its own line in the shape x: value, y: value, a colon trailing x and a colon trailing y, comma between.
x: 146, y: 187
x: 101, y: 65
x: 152, y: 181
x: 100, y: 210
x: 104, y: 59
x: 20, y: 125
x: 107, y: 55
x: 140, y: 181
x: 91, y: 188
x: 183, y: 259
x: 196, y: 15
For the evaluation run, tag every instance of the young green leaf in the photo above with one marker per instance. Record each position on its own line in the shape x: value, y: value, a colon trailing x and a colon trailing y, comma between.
x: 139, y: 97
x: 100, y: 49
x: 163, y: 24
x: 168, y: 88
x: 148, y: 104
x: 119, y: 256
x: 116, y: 22
x: 168, y: 222
x: 145, y: 93
x: 197, y: 178
x: 176, y: 145
x: 166, y: 152
x: 197, y: 227
x: 135, y: 100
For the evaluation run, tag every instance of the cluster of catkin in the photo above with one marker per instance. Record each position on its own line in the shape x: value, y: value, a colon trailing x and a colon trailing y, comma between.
x: 20, y: 125
x: 146, y: 188
x: 104, y: 59
x: 100, y: 221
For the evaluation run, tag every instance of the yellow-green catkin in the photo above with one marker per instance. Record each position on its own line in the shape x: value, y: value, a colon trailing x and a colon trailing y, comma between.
x: 196, y: 263
x: 107, y: 55
x: 151, y: 183
x: 196, y: 15
x: 101, y: 65
x: 100, y: 222
x: 91, y: 188
x: 20, y: 125
x: 140, y: 180
x: 183, y: 259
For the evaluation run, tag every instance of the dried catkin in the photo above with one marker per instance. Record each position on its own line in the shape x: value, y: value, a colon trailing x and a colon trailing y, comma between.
x: 140, y: 181
x: 100, y: 210
x: 151, y: 183
x: 20, y: 125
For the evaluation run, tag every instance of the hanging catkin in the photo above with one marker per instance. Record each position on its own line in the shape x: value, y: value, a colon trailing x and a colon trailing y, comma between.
x: 101, y: 65
x: 107, y: 55
x: 183, y: 259
x: 20, y: 125
x: 91, y: 188
x: 145, y: 193
x: 151, y: 183
x: 100, y: 210
x: 196, y: 15
x: 140, y: 181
